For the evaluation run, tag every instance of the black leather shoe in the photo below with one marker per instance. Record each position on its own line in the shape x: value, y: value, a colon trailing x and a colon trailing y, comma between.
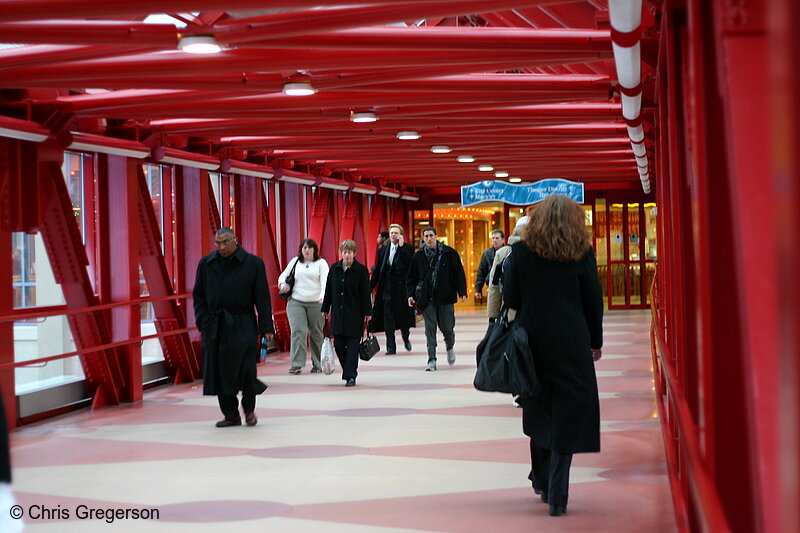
x: 250, y: 419
x: 350, y: 383
x: 407, y: 344
x: 390, y: 353
x: 226, y: 423
x: 557, y: 510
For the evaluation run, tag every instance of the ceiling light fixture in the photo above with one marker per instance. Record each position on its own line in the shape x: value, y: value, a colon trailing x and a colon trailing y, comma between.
x: 199, y: 44
x: 465, y: 159
x: 514, y: 180
x: 298, y: 88
x: 440, y: 149
x: 485, y: 168
x: 408, y: 135
x: 500, y: 174
x: 363, y: 116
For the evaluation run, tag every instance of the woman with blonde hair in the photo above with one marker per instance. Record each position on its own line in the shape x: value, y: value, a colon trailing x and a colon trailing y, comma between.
x: 347, y: 300
x: 552, y: 281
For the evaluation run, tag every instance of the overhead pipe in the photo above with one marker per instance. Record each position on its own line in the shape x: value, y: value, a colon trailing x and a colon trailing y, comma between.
x: 24, y: 130
x: 88, y: 32
x: 311, y: 22
x: 164, y: 154
x: 89, y: 142
x: 626, y: 20
x: 431, y: 38
x: 281, y: 60
x: 11, y: 10
x: 244, y: 168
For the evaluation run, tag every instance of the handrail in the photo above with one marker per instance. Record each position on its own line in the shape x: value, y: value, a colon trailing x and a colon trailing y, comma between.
x: 98, y: 348
x: 61, y: 310
x: 57, y: 311
x: 40, y: 312
x: 702, y: 489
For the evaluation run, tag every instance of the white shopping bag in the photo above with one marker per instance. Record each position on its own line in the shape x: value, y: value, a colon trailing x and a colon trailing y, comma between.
x: 328, y: 358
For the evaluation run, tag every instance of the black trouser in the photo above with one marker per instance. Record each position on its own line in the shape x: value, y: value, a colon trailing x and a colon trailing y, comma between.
x: 389, y: 325
x: 229, y: 405
x: 550, y: 473
x: 347, y: 352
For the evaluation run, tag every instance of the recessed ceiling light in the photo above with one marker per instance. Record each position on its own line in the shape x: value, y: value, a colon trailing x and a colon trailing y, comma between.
x: 298, y: 88
x: 485, y: 168
x: 440, y: 149
x: 408, y: 135
x: 363, y: 116
x: 465, y: 159
x: 514, y: 180
x: 500, y: 174
x: 199, y: 44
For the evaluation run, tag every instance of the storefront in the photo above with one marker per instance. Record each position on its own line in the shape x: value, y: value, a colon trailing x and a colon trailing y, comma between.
x: 622, y: 225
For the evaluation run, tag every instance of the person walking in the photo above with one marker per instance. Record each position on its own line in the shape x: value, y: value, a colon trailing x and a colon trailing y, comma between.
x: 552, y: 281
x: 487, y: 259
x: 438, y: 271
x: 347, y: 302
x: 302, y: 309
x: 391, y: 311
x: 229, y: 288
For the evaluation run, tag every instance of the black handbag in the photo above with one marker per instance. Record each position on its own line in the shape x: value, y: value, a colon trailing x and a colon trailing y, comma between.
x: 369, y: 346
x: 506, y: 364
x: 285, y: 295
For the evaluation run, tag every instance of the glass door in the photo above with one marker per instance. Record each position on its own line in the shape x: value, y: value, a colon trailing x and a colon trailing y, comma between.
x: 626, y: 251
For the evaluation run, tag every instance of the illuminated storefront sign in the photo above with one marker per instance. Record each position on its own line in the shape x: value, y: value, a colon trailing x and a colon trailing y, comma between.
x: 502, y: 191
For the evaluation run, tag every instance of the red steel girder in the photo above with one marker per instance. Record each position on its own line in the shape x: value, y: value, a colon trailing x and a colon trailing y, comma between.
x: 67, y: 255
x: 176, y: 348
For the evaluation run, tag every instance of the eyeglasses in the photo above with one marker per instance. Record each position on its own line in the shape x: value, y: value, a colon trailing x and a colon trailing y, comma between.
x: 225, y: 242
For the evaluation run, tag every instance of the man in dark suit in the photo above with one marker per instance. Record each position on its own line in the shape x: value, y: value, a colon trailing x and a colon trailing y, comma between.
x: 391, y: 311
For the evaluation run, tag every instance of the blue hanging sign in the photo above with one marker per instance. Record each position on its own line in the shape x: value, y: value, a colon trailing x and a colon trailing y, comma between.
x: 502, y: 191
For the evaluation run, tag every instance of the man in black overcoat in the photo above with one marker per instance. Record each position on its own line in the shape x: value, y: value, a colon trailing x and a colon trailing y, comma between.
x: 391, y: 311
x: 439, y: 268
x: 229, y: 288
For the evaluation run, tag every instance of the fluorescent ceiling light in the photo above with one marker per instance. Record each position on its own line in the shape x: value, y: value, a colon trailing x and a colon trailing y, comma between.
x: 363, y: 116
x: 408, y: 135
x: 485, y: 168
x: 514, y: 180
x: 440, y: 149
x: 298, y: 88
x: 465, y: 159
x: 500, y: 174
x: 23, y: 130
x: 199, y: 44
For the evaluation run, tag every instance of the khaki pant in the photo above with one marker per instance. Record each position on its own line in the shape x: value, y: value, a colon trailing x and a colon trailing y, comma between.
x: 305, y: 319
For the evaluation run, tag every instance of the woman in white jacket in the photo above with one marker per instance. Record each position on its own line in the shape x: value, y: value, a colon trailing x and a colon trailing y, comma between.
x: 303, y: 307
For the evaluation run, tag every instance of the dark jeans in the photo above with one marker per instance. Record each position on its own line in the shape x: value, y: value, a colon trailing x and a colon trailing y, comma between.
x: 390, y: 328
x: 229, y: 405
x: 442, y: 316
x: 550, y: 473
x: 347, y: 352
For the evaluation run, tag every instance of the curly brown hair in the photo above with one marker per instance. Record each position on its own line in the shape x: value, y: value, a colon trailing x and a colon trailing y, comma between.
x: 557, y: 231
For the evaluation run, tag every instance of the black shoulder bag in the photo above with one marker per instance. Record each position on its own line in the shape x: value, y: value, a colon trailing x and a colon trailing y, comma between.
x: 285, y: 295
x: 506, y: 361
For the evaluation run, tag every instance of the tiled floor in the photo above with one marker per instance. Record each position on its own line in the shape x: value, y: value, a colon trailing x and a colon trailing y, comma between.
x: 404, y: 451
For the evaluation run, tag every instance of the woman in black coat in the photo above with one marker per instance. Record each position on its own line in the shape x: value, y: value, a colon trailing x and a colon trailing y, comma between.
x: 347, y: 300
x: 552, y: 281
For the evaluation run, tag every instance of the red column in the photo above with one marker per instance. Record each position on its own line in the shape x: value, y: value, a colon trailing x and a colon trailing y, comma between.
x: 784, y: 20
x: 122, y: 255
